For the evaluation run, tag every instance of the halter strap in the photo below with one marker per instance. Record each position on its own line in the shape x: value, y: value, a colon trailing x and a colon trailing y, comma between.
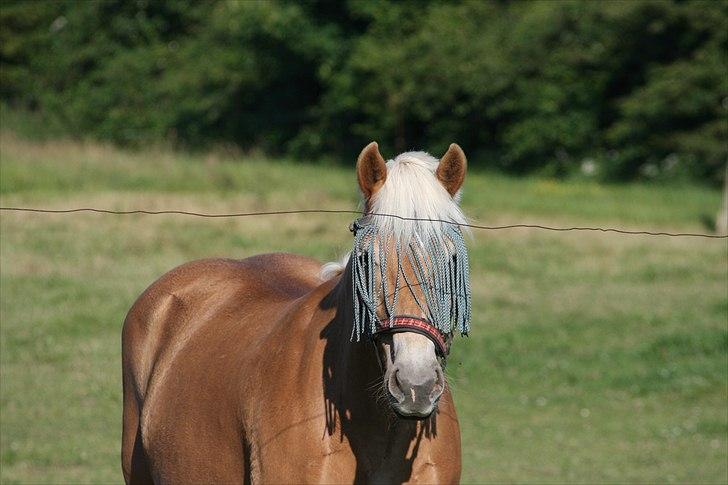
x: 414, y: 324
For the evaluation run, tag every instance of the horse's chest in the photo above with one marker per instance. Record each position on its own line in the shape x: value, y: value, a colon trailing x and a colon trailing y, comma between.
x: 302, y: 453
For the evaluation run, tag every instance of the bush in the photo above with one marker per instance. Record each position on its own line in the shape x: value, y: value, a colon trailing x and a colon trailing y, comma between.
x: 631, y: 89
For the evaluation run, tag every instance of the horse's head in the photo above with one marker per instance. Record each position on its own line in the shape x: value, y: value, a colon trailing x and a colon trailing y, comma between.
x: 410, y: 276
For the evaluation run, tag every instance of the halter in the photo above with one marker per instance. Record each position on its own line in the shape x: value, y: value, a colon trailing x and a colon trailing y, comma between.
x: 440, y: 263
x: 404, y: 323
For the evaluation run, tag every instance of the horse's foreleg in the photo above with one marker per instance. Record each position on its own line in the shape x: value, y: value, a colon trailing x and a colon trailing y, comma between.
x: 133, y: 459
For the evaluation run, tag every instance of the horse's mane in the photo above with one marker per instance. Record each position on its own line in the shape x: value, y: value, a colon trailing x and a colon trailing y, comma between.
x: 412, y: 191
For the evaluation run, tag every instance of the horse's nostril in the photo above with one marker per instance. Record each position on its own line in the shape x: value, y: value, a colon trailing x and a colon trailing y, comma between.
x: 396, y: 379
x: 395, y: 386
x: 439, y: 384
x: 436, y: 391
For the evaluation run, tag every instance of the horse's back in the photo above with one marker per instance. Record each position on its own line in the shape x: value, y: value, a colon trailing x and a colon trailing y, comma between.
x: 185, y: 337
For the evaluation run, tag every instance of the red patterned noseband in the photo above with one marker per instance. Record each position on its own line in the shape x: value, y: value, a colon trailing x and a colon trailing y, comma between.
x: 419, y: 325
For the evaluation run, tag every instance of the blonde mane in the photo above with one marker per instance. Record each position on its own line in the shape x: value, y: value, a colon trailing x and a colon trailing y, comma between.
x: 410, y: 191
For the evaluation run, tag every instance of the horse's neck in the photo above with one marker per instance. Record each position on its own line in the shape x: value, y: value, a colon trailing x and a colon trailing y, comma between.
x: 352, y: 381
x: 353, y: 364
x: 352, y: 373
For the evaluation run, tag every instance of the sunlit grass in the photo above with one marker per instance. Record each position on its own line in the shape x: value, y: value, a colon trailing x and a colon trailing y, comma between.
x: 592, y: 358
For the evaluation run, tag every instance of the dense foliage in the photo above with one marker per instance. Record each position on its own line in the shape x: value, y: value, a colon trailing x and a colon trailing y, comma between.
x: 616, y: 90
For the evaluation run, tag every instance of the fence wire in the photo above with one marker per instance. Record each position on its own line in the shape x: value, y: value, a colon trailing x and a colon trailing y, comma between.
x: 349, y: 211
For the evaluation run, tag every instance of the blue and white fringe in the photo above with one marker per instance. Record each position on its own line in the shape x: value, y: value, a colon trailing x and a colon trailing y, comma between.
x: 440, y: 263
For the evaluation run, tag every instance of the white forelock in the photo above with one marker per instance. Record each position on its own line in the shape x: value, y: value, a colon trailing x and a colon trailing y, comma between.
x: 411, y: 190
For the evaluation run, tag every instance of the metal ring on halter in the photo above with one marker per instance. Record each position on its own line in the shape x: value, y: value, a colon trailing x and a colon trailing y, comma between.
x: 359, y: 223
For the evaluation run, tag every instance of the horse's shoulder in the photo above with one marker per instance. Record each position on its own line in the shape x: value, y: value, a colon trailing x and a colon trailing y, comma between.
x: 186, y: 294
x: 196, y: 303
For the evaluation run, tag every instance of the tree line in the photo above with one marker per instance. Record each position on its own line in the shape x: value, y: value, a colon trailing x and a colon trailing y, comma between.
x: 616, y: 90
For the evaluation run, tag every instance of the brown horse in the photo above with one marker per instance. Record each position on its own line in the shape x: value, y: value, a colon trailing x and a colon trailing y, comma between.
x: 249, y: 371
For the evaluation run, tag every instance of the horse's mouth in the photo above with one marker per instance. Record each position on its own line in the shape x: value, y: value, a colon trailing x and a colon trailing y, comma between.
x: 412, y: 414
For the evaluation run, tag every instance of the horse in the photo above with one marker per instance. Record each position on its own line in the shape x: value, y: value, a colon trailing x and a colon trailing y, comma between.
x: 278, y: 369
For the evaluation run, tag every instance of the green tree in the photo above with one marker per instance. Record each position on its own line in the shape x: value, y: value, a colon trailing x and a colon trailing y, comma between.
x: 636, y: 88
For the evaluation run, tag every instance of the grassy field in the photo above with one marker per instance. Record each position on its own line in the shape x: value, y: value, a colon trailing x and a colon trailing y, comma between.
x: 593, y: 358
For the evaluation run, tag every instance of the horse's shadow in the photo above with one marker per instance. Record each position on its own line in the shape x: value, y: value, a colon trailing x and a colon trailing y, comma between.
x: 380, y: 440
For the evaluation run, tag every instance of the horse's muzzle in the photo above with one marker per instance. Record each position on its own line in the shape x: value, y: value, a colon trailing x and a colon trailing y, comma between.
x: 415, y: 395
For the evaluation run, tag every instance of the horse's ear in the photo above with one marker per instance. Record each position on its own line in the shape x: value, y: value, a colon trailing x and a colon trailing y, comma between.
x: 371, y: 170
x: 451, y: 169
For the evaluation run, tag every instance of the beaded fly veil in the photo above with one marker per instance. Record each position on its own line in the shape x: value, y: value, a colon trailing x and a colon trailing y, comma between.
x: 432, y: 246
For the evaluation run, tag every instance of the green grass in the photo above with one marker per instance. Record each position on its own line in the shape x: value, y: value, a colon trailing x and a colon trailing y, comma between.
x: 593, y: 357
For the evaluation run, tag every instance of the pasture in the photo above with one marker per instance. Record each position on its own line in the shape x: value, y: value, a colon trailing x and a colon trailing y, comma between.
x: 593, y: 357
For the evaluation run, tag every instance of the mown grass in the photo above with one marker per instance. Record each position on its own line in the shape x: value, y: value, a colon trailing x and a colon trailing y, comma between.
x: 594, y: 357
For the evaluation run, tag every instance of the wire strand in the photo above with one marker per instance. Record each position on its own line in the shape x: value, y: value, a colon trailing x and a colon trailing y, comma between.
x: 348, y: 211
